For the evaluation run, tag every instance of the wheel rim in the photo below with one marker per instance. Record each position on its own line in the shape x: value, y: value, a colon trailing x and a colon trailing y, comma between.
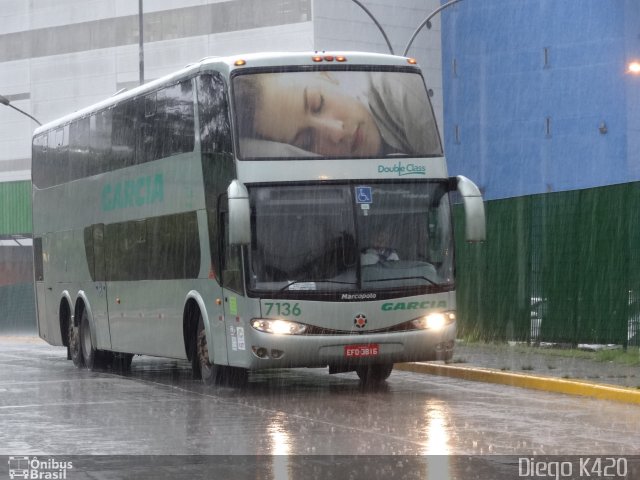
x: 203, y: 351
x: 86, y: 336
x: 74, y: 344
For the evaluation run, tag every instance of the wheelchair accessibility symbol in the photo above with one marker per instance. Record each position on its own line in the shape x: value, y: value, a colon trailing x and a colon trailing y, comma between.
x: 363, y: 195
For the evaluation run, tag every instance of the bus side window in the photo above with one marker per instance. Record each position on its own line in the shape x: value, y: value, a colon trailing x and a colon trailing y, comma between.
x: 176, y: 111
x: 213, y: 111
x: 100, y: 128
x: 230, y: 255
x: 94, y: 251
x: 123, y: 135
x: 38, y: 262
x: 217, y: 162
x: 167, y: 122
x: 78, y: 148
x: 39, y: 155
x: 147, y: 144
x: 58, y: 156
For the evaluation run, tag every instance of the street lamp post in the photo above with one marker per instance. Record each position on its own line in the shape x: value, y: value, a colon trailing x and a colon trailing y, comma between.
x: 427, y: 22
x: 368, y: 12
x: 5, y: 101
x: 141, y: 41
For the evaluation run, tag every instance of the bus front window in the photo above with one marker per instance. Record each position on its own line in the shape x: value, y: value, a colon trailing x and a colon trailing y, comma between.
x: 304, y: 238
x: 405, y: 237
x: 320, y: 239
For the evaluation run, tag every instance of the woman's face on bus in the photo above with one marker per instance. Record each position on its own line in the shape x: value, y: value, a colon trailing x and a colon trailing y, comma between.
x: 312, y: 112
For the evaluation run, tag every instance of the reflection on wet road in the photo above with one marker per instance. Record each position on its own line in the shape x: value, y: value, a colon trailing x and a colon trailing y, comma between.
x: 49, y: 406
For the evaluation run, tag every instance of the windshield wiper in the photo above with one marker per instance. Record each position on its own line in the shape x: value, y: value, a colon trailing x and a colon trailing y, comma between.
x: 323, y: 280
x: 420, y: 277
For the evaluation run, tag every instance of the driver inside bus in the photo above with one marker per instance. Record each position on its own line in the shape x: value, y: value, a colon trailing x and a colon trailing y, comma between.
x: 380, y: 250
x: 316, y: 113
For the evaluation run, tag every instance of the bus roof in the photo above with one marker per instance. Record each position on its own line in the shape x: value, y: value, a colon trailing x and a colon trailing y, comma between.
x: 227, y: 64
x: 273, y: 59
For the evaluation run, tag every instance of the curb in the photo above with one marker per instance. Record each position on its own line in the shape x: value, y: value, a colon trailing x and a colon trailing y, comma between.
x: 533, y: 382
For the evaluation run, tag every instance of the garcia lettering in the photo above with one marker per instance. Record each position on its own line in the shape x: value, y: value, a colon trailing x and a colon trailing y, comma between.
x: 133, y: 193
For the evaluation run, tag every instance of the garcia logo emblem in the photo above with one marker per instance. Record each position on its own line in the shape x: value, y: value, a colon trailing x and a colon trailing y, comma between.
x: 360, y: 321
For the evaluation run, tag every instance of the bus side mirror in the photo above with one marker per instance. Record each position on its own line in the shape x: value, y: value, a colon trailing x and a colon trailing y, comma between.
x: 239, y: 214
x: 475, y: 228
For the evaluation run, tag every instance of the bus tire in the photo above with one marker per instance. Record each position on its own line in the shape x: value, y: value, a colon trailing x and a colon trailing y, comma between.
x: 92, y: 357
x: 210, y: 373
x: 372, y: 374
x: 74, y: 346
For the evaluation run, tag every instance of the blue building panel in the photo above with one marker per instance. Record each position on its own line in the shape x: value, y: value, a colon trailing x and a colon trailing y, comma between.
x: 537, y: 96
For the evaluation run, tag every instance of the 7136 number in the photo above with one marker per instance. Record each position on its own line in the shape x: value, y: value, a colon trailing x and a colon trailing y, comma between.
x: 282, y: 308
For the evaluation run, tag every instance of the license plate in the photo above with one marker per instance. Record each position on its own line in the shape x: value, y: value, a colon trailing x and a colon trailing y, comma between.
x: 359, y: 351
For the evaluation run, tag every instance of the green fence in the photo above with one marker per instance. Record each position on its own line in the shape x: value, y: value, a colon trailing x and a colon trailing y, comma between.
x: 18, y: 310
x: 559, y: 267
x: 15, y: 207
x: 17, y: 302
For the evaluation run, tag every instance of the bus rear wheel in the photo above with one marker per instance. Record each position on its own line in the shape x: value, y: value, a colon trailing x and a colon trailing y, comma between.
x: 89, y: 352
x: 75, y: 348
x: 372, y: 374
x: 92, y: 357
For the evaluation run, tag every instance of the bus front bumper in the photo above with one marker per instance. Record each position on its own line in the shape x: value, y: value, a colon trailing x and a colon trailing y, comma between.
x: 290, y: 351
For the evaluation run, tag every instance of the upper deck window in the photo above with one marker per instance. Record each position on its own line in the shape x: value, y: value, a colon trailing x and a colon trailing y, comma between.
x: 335, y: 114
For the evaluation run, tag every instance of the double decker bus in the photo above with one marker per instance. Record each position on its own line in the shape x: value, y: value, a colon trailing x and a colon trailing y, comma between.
x: 252, y: 212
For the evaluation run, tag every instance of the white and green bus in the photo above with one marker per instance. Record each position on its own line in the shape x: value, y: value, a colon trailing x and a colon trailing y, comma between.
x: 252, y: 212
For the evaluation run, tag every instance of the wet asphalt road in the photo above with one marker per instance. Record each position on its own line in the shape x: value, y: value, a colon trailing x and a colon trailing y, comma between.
x: 48, y: 407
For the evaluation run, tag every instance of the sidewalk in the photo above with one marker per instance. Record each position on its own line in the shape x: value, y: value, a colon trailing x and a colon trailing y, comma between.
x: 548, y: 368
x: 550, y: 361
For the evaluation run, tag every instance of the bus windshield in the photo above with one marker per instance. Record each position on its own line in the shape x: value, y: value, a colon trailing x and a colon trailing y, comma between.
x: 334, y: 114
x: 349, y: 238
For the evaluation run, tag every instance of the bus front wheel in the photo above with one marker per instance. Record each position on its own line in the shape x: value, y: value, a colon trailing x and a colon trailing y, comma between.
x: 210, y: 373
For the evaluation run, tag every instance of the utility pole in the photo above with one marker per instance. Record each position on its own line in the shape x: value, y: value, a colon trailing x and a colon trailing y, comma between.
x: 141, y: 41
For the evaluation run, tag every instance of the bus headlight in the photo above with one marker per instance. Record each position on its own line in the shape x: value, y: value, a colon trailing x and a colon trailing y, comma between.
x: 278, y: 327
x: 434, y: 321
